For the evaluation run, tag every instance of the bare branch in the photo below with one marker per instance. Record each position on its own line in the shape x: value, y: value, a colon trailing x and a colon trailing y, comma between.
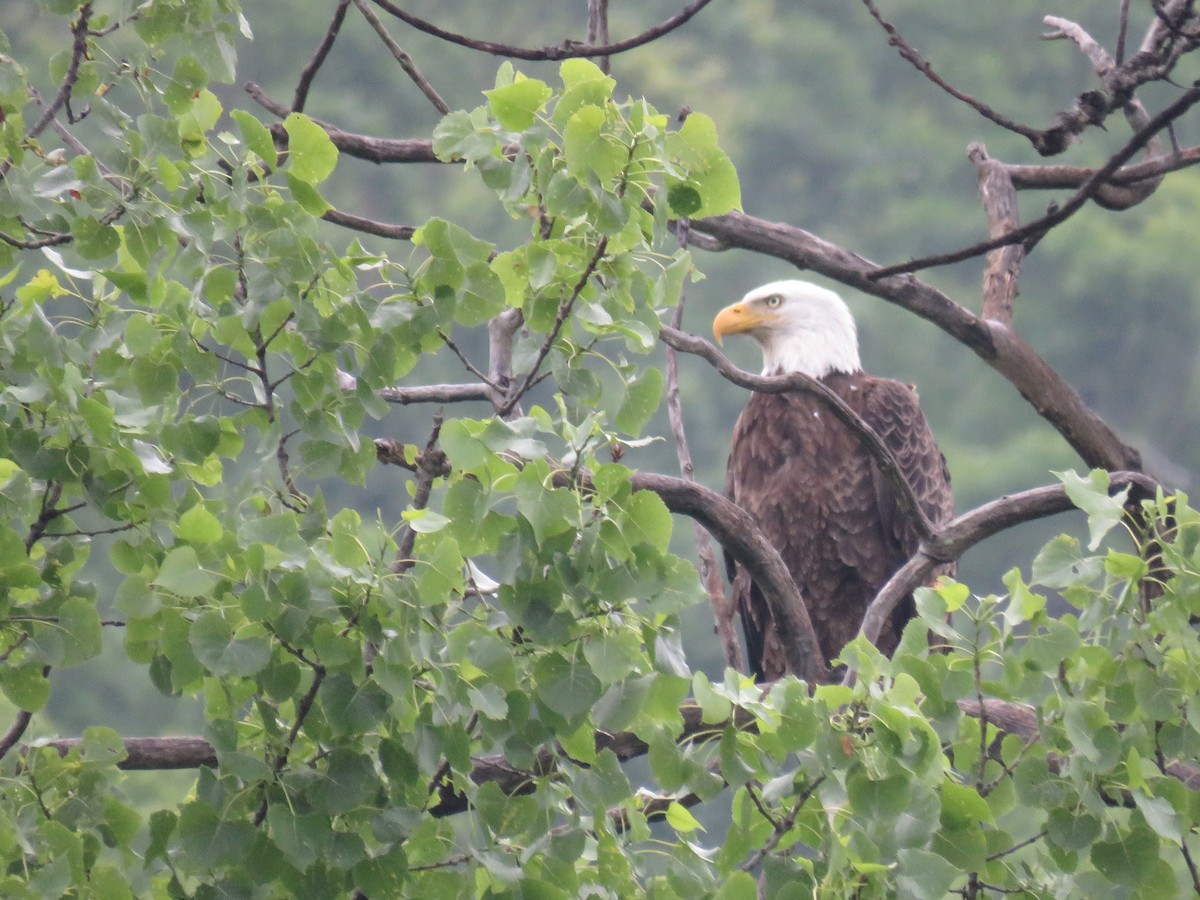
x: 597, y: 30
x: 431, y: 464
x: 1004, y: 263
x: 502, y: 331
x: 1057, y: 177
x: 309, y: 72
x: 964, y: 532
x: 1072, y: 205
x: 403, y: 58
x: 921, y: 65
x: 710, y: 575
x: 1000, y: 347
x: 1109, y: 196
x: 566, y: 50
x: 369, y: 226
x: 434, y: 393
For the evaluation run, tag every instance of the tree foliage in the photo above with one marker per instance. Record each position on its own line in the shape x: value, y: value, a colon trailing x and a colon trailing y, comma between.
x: 439, y: 697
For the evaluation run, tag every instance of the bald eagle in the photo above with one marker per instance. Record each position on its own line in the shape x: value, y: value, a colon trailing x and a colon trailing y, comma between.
x: 814, y: 490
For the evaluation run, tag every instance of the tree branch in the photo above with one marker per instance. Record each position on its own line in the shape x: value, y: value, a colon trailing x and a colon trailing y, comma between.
x: 403, y: 59
x: 736, y: 531
x: 309, y: 72
x: 958, y: 535
x: 566, y: 50
x: 1001, y: 348
x: 1072, y: 205
x: 710, y: 574
x: 1004, y: 263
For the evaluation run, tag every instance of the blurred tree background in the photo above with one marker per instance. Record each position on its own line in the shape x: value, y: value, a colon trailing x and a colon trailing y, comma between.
x: 831, y: 131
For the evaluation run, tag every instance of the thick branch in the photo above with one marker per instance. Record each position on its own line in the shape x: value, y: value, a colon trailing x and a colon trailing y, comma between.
x: 1045, y: 390
x: 1004, y: 263
x: 1022, y: 720
x: 1059, y: 177
x: 157, y: 754
x: 369, y: 226
x: 372, y: 149
x: 959, y: 535
x: 434, y: 393
x: 736, y: 531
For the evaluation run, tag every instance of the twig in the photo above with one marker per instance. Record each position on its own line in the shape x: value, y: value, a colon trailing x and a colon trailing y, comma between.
x: 403, y: 58
x: 79, y: 50
x: 782, y: 827
x: 1073, y: 204
x: 430, y: 465
x: 564, y: 310
x: 369, y: 226
x: 309, y: 72
x: 710, y: 575
x: 303, y: 707
x: 567, y: 50
x: 915, y: 59
x: 462, y: 357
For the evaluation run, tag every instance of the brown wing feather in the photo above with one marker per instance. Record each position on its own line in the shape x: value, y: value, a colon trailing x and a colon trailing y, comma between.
x: 821, y: 502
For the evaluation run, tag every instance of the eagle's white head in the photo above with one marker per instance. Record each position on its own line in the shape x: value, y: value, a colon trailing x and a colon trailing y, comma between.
x: 801, y: 327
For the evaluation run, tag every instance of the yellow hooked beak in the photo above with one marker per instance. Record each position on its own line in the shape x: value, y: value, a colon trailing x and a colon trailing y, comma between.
x: 740, y: 318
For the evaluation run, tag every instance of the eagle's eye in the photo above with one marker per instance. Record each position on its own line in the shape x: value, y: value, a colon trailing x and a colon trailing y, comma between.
x: 773, y: 301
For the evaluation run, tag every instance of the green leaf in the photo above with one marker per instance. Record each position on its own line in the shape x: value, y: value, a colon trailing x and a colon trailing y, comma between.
x: 642, y: 396
x: 1091, y: 495
x: 589, y: 147
x: 550, y: 511
x: 199, y: 526
x: 923, y: 874
x: 584, y: 84
x: 311, y: 154
x: 218, y: 650
x: 353, y: 708
x: 681, y: 820
x: 516, y: 105
x: 257, y: 136
x: 348, y: 781
x: 25, y: 686
x: 567, y: 687
x: 648, y: 521
x: 738, y: 886
x: 181, y: 574
x: 306, y: 195
x: 79, y: 627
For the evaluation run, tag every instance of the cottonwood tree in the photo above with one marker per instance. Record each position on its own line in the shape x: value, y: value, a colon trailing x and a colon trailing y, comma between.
x: 195, y: 340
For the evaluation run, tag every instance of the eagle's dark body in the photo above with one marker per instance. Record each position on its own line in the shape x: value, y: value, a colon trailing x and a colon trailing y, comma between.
x: 820, y: 500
